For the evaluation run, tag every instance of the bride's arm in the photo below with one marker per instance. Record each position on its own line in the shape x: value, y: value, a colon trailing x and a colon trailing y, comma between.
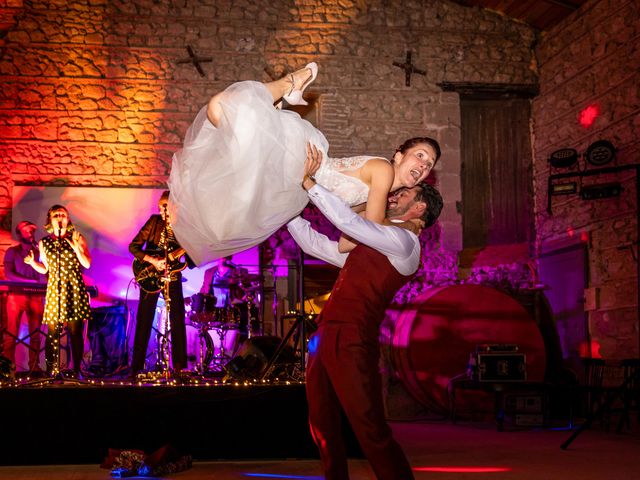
x: 378, y: 174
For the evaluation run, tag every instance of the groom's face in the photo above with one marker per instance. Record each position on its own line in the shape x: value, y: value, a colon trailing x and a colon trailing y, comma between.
x: 400, y: 202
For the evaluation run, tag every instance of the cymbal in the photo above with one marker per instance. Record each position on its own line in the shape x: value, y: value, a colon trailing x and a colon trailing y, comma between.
x: 251, y: 278
x: 225, y: 284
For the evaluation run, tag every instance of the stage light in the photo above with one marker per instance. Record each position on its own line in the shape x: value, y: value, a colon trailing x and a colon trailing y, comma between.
x: 563, y: 158
x: 600, y: 153
x: 603, y: 190
x: 312, y: 344
x: 564, y: 188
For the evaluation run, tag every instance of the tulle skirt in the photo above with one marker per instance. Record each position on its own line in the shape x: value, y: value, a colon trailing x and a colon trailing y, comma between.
x: 233, y: 186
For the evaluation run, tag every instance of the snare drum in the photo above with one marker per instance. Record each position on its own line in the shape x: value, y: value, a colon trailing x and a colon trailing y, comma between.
x: 227, y: 317
x: 203, y: 309
x: 201, y: 303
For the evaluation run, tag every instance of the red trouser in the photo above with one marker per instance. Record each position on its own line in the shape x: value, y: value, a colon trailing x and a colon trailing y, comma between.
x: 32, y: 306
x: 343, y: 372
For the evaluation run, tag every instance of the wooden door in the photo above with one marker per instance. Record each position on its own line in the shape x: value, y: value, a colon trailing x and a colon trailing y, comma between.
x: 496, y: 171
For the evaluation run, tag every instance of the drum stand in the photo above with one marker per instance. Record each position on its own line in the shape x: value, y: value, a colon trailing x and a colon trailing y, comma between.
x: 221, y: 359
x: 206, y: 350
x: 254, y: 324
x: 300, y: 327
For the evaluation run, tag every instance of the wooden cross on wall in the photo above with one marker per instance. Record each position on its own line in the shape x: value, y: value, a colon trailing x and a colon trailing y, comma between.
x: 195, y: 60
x: 409, y: 68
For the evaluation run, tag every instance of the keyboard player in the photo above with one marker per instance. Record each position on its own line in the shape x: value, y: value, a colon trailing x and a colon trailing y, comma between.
x: 17, y: 303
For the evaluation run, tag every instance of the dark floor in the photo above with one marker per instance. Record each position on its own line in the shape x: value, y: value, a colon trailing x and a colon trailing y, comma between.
x: 466, y: 450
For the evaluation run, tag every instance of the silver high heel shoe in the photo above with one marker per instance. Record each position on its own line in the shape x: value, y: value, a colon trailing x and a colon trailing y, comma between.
x: 294, y: 97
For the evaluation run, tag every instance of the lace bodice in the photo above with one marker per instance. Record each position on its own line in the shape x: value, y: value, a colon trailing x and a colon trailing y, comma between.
x: 350, y: 189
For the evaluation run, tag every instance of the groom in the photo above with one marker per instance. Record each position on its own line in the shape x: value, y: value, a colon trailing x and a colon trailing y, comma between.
x: 342, y: 372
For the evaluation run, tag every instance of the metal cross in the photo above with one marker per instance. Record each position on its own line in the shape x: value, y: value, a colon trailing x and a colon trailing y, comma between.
x: 408, y: 68
x: 195, y: 60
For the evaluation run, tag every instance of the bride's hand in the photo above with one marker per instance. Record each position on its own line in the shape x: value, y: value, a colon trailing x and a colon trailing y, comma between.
x: 313, y: 160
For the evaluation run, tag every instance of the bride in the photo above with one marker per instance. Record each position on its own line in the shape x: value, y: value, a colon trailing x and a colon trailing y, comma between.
x: 237, y: 178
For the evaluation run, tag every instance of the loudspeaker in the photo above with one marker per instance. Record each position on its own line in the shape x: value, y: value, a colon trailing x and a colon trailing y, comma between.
x: 107, y: 337
x: 254, y: 356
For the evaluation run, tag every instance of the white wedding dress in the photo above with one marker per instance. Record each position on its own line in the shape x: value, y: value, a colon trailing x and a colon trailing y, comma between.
x: 235, y: 185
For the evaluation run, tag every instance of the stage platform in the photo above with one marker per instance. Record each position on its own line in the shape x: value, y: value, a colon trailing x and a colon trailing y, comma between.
x: 65, y: 423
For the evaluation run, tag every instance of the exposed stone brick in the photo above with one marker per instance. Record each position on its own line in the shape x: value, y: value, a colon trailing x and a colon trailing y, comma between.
x: 93, y: 94
x: 593, y: 58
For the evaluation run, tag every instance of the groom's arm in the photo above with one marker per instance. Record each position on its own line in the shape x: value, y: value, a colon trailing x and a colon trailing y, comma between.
x: 388, y: 240
x: 315, y: 243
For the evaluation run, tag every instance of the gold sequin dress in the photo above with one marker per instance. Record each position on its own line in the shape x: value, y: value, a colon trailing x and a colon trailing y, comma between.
x: 66, y: 291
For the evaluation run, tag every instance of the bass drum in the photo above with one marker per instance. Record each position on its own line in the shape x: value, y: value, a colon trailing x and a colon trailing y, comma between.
x: 435, y: 334
x: 206, y: 345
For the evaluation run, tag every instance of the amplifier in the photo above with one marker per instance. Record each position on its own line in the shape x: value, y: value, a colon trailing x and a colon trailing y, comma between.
x: 526, y: 419
x: 525, y: 409
x: 499, y: 367
x: 496, y: 348
x: 524, y: 403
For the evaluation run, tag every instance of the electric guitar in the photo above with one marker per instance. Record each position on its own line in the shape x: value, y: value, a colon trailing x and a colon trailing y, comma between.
x: 149, y: 278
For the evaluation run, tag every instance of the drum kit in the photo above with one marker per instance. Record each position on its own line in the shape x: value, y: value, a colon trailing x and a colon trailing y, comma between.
x: 219, y: 328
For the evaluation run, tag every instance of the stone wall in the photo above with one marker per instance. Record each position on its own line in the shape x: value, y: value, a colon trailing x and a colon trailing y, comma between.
x: 593, y: 60
x: 93, y: 92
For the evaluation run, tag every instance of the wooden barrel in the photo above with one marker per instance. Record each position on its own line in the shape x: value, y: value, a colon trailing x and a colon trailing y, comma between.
x: 434, y: 336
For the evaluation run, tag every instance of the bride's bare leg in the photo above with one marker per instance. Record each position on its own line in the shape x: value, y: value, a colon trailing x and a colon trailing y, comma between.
x: 277, y: 88
x: 214, y: 110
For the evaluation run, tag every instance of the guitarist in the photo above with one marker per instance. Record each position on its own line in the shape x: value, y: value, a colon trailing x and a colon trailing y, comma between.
x: 149, y: 246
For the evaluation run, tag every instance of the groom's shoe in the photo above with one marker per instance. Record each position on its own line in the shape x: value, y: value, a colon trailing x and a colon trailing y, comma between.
x: 294, y: 97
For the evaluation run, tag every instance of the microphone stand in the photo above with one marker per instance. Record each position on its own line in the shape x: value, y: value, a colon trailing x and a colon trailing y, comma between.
x: 57, y: 373
x: 163, y: 345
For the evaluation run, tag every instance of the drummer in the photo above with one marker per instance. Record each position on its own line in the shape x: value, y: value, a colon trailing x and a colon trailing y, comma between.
x: 223, y: 281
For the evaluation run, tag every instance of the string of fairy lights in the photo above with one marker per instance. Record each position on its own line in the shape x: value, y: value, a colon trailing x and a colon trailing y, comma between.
x: 150, y: 380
